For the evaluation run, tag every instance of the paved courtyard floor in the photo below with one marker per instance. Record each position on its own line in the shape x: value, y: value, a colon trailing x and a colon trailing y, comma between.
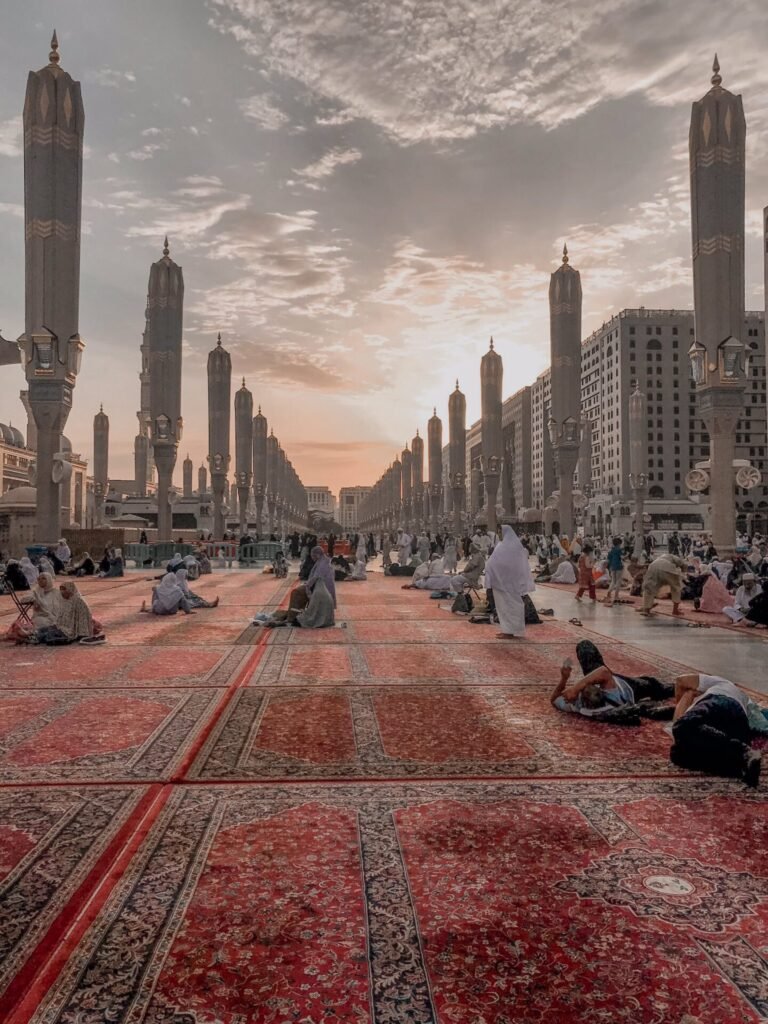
x: 202, y: 822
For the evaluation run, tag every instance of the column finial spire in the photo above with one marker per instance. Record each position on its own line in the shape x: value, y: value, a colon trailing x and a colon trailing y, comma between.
x: 218, y: 340
x: 166, y: 249
x: 53, y: 56
x: 716, y: 76
x: 565, y: 253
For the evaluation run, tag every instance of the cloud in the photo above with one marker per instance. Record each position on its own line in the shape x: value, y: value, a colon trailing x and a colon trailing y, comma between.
x: 261, y: 110
x: 10, y: 137
x: 434, y: 71
x: 12, y: 209
x: 110, y: 78
x: 326, y: 166
x: 148, y: 151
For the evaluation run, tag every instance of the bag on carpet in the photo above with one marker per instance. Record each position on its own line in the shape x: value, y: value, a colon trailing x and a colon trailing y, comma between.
x: 531, y: 615
x: 463, y: 604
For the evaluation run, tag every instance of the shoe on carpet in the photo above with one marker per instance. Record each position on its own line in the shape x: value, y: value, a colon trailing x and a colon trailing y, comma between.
x: 752, y: 765
x: 93, y: 641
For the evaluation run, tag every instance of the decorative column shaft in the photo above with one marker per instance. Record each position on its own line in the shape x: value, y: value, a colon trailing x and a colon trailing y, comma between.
x: 243, y: 451
x: 259, y: 466
x: 100, y: 463
x: 491, y: 382
x: 417, y: 481
x: 219, y: 406
x: 187, y: 470
x: 716, y: 149
x: 638, y: 462
x: 51, y: 345
x: 166, y: 311
x: 202, y: 481
x: 565, y: 405
x: 457, y: 456
x: 435, y: 459
x: 406, y: 461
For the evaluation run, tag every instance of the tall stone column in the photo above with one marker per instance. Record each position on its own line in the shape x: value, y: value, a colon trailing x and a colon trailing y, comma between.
x: 187, y: 469
x: 243, y: 451
x: 140, y: 462
x: 716, y: 150
x: 406, y: 461
x: 219, y: 405
x: 397, y: 493
x: 435, y: 459
x: 259, y: 466
x: 166, y: 312
x: 51, y: 345
x: 491, y: 382
x: 100, y: 463
x: 565, y: 405
x: 638, y: 462
x: 31, y: 434
x: 272, y: 446
x: 202, y: 481
x: 457, y: 456
x: 417, y: 481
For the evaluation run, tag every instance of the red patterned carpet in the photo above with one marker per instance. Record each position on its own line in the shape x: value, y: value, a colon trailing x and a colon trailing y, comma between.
x: 385, y: 822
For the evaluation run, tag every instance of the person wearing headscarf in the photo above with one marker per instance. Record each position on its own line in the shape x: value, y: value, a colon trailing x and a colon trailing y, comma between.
x: 63, y: 552
x: 176, y: 563
x: 195, y: 601
x: 321, y: 570
x: 564, y: 572
x: 45, y: 565
x: 361, y: 554
x: 359, y: 572
x: 74, y: 618
x: 14, y: 574
x: 319, y: 612
x: 714, y: 596
x: 201, y: 556
x: 46, y: 599
x: 508, y: 575
x: 168, y: 597
x: 403, y: 547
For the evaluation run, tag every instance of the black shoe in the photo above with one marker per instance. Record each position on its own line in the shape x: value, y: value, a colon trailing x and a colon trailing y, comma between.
x: 752, y: 765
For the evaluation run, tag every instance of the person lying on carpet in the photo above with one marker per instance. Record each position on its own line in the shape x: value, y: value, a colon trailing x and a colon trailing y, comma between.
x: 168, y: 598
x: 712, y: 728
x: 608, y: 696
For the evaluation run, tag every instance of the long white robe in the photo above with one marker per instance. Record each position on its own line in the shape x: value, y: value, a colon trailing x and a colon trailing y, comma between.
x: 511, y: 612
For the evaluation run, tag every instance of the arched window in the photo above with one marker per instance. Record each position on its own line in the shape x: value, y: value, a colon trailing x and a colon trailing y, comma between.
x: 654, y: 344
x: 656, y: 492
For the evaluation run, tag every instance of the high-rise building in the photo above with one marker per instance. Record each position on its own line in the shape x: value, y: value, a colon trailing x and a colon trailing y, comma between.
x: 349, y: 505
x: 321, y: 499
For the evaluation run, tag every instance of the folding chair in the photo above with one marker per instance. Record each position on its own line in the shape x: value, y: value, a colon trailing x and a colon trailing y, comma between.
x: 22, y: 607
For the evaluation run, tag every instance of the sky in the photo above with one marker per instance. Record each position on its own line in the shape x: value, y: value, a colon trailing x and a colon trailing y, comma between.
x: 361, y: 194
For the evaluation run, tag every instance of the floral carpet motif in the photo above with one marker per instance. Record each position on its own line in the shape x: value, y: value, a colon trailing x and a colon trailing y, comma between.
x: 381, y: 823
x: 428, y: 903
x: 97, y: 734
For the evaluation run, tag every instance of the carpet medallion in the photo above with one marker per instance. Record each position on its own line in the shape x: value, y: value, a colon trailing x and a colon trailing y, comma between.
x: 427, y: 903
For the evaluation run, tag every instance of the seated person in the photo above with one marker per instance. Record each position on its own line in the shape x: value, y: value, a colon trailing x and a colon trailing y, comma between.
x: 711, y: 729
x: 84, y: 567
x: 433, y: 568
x: 404, y: 570
x: 168, y: 598
x: 745, y: 595
x: 58, y: 565
x: 63, y: 552
x: 45, y: 599
x: 563, y: 571
x: 203, y: 561
x: 359, y: 572
x: 62, y: 615
x: 472, y: 571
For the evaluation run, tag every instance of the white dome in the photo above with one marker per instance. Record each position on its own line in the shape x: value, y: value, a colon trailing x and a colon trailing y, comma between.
x: 19, y: 497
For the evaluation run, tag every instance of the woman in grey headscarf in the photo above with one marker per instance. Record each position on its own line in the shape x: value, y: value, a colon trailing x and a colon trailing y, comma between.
x: 168, y: 597
x: 321, y: 588
x: 195, y: 601
x: 30, y: 571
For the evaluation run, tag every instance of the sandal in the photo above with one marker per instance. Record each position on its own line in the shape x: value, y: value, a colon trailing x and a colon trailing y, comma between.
x: 575, y: 622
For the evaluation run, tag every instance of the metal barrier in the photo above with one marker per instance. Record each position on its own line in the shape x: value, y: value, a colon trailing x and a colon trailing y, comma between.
x: 260, y: 553
x: 138, y: 554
